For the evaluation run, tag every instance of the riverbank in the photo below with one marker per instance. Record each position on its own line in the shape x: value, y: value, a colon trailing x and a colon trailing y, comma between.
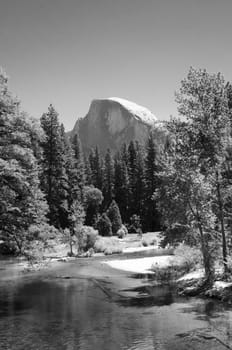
x: 135, y: 260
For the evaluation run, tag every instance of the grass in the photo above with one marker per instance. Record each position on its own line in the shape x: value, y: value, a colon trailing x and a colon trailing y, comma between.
x: 185, y: 259
x: 108, y: 245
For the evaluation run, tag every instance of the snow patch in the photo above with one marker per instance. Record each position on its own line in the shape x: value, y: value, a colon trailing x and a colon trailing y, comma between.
x: 140, y: 112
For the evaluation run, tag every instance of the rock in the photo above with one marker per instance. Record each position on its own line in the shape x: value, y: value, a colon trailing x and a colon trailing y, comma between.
x: 114, y: 121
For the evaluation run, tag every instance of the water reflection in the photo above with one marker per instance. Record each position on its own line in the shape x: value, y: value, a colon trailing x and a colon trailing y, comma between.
x: 76, y: 314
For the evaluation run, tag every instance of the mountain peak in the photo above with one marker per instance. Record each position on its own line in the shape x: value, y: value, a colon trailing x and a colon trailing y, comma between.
x: 113, y: 121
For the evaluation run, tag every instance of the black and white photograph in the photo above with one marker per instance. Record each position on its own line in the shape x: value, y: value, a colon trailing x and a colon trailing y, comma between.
x: 115, y: 175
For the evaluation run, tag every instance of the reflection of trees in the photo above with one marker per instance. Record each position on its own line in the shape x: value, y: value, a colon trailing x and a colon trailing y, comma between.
x: 76, y: 314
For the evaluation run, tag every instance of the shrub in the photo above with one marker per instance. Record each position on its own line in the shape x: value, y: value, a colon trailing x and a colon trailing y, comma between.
x: 191, y: 256
x: 69, y: 239
x: 122, y: 232
x: 87, y: 237
x: 107, y: 245
x: 177, y: 233
x: 93, y: 198
x: 135, y: 226
x: 104, y: 226
x: 114, y: 215
x: 148, y: 241
x: 167, y: 274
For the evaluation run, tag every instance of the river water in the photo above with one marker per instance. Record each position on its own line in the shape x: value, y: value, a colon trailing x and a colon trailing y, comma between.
x: 48, y: 312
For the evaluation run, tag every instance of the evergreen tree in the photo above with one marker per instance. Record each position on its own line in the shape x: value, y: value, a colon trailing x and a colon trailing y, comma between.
x: 151, y: 219
x: 96, y: 168
x: 104, y: 225
x: 121, y: 186
x: 108, y: 186
x: 53, y: 166
x: 93, y: 199
x: 139, y: 186
x: 22, y: 204
x: 132, y: 163
x: 114, y: 215
x: 79, y: 164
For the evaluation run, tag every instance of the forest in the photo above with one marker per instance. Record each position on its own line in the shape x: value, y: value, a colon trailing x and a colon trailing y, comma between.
x: 180, y: 185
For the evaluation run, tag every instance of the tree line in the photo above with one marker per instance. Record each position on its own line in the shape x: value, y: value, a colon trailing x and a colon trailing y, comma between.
x: 180, y: 183
x: 48, y: 183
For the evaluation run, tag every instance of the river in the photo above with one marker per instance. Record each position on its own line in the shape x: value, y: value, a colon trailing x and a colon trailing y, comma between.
x: 86, y: 305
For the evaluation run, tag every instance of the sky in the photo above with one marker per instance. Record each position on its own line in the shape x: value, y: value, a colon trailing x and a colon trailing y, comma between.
x: 69, y: 52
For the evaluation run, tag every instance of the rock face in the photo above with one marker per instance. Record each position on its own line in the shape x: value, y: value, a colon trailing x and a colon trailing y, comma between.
x: 112, y: 122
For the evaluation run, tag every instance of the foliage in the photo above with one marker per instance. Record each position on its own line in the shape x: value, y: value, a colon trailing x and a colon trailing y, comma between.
x: 135, y: 226
x: 203, y: 100
x: 167, y: 274
x: 122, y: 232
x: 22, y: 203
x: 54, y: 177
x: 104, y: 225
x: 92, y: 199
x: 87, y: 238
x: 121, y: 185
x: 107, y: 245
x: 176, y: 233
x: 108, y: 178
x: 114, y: 215
x: 191, y: 256
x: 78, y: 164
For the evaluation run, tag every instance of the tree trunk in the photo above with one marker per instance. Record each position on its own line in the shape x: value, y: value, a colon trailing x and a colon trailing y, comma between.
x: 207, y: 258
x: 221, y: 218
x: 71, y: 248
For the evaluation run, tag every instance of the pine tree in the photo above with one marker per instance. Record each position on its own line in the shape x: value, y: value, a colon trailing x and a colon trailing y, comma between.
x: 114, y: 215
x: 96, y: 168
x: 108, y: 186
x: 151, y: 219
x: 104, y: 225
x: 22, y: 204
x: 121, y: 186
x: 53, y: 165
x: 132, y: 163
x: 93, y: 199
x: 139, y: 186
x: 79, y: 164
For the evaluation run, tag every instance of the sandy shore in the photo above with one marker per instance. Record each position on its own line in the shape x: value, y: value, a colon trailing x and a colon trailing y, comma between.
x: 141, y: 265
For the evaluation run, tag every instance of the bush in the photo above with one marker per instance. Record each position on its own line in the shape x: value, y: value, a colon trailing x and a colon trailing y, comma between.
x: 93, y: 198
x: 104, y: 226
x: 87, y: 237
x: 114, y: 215
x: 167, y: 274
x: 146, y: 242
x: 135, y: 226
x: 176, y: 234
x: 122, y: 232
x: 191, y: 256
x: 107, y: 245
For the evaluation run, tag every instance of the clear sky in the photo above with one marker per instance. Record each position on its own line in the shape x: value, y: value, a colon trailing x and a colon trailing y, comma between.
x: 68, y: 52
